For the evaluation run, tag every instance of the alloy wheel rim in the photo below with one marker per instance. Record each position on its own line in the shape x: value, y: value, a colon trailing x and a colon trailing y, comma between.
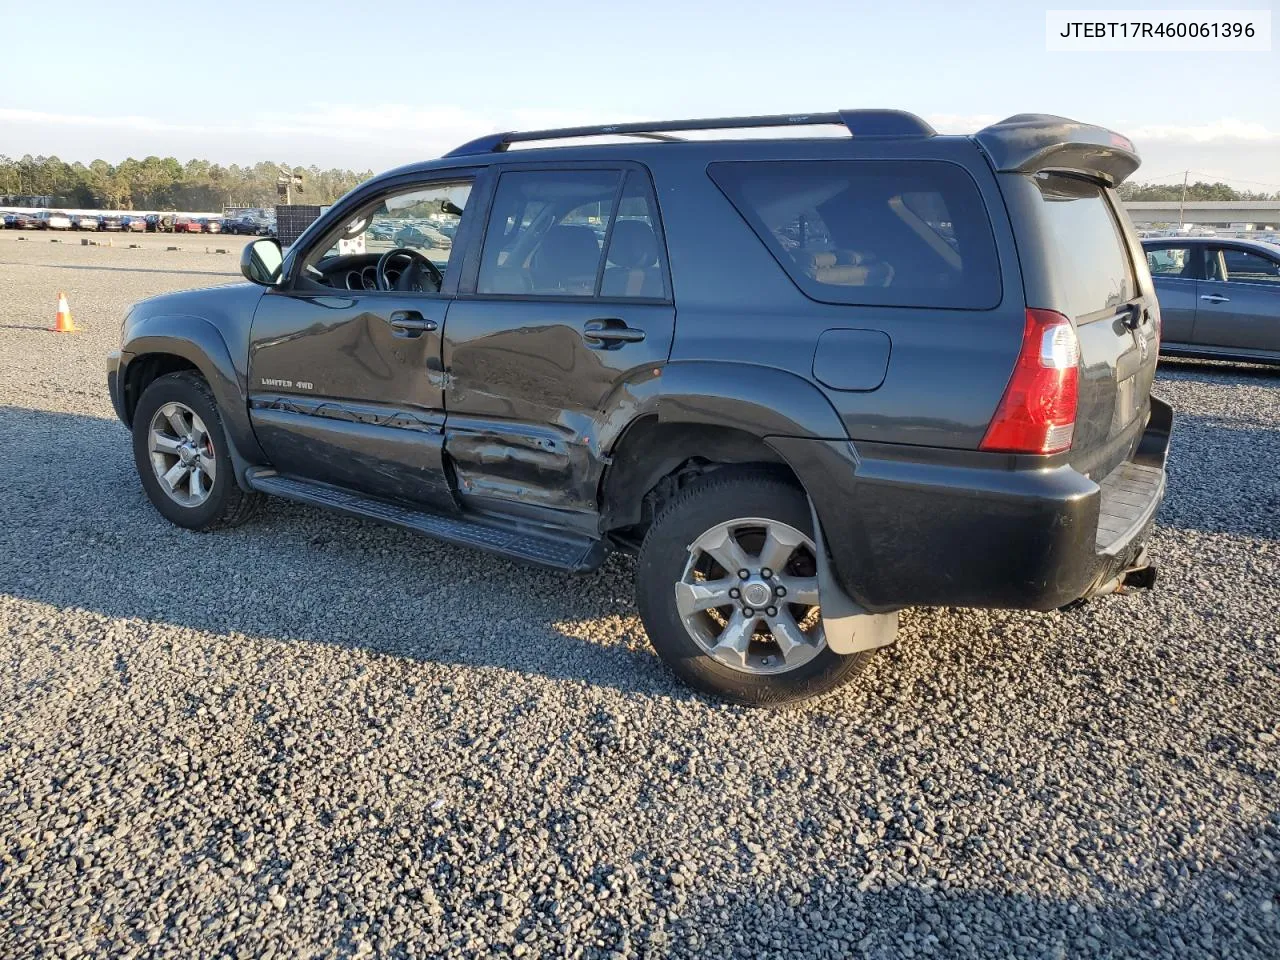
x: 182, y: 456
x: 749, y: 596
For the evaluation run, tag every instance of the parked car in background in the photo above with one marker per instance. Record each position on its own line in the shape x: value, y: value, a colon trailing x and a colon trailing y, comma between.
x: 211, y: 224
x: 84, y: 221
x: 112, y: 222
x: 133, y: 223
x: 21, y: 220
x: 1219, y: 297
x: 888, y: 370
x: 186, y: 225
x: 53, y: 220
x: 249, y: 224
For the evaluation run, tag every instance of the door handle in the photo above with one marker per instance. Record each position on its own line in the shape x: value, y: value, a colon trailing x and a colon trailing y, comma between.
x: 411, y: 323
x: 1136, y: 317
x: 610, y: 333
x: 1215, y: 298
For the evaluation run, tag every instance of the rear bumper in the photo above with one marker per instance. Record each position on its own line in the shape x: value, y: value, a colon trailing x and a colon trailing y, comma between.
x: 921, y: 527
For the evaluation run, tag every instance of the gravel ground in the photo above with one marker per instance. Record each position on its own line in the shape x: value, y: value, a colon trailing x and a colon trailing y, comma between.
x: 312, y: 736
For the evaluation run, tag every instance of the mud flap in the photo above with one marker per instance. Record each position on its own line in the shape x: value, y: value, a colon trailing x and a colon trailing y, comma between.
x: 848, y: 627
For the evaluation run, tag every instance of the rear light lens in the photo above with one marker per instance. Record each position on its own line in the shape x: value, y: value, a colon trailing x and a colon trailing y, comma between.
x: 1038, y: 411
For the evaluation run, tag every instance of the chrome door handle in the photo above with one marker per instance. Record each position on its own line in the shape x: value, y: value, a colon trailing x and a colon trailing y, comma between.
x: 411, y: 323
x: 1215, y: 298
x: 610, y: 333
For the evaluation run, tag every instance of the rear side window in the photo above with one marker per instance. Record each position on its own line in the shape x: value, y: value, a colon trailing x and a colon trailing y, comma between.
x: 910, y: 234
x: 546, y: 231
x: 1087, y: 244
x: 573, y: 233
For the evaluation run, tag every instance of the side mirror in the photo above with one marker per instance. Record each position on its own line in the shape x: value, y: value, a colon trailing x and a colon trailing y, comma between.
x: 261, y: 260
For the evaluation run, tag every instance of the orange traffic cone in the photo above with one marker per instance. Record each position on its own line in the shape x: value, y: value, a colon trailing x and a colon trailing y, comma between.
x: 62, y: 322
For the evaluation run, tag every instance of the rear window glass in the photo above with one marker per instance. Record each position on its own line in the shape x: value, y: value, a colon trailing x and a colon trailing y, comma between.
x: 1087, y: 246
x: 911, y: 234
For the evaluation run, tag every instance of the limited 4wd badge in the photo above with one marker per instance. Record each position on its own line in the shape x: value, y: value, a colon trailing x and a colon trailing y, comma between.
x: 288, y: 384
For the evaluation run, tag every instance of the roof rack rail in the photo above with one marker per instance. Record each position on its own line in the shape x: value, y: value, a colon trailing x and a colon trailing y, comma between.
x: 860, y: 123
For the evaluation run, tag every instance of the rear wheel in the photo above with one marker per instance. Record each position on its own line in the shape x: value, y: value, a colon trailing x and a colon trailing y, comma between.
x: 181, y: 454
x: 727, y: 586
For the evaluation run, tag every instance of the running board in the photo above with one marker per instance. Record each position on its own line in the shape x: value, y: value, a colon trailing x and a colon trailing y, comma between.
x: 574, y: 554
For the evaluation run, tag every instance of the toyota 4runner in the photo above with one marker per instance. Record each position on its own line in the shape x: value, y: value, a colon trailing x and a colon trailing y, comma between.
x: 808, y: 381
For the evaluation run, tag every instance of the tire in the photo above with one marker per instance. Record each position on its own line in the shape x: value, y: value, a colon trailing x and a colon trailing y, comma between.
x: 225, y: 505
x: 709, y: 503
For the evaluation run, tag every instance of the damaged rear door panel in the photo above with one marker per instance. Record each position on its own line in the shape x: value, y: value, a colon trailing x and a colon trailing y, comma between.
x: 546, y: 352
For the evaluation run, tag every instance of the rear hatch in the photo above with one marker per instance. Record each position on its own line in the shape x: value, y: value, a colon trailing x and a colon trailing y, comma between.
x: 1081, y: 258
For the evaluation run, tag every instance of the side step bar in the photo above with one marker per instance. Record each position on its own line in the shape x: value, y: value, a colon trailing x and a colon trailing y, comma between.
x: 574, y: 554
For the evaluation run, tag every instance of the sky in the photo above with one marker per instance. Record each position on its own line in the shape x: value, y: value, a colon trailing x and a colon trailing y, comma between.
x: 370, y: 86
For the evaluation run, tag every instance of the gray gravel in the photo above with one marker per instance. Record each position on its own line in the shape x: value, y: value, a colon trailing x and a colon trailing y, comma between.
x: 313, y: 736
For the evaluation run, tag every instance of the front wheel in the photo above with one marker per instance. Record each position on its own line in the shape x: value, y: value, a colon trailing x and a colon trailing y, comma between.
x: 182, y: 458
x: 727, y: 586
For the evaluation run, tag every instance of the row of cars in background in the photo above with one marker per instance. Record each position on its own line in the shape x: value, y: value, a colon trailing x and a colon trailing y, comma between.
x: 259, y: 224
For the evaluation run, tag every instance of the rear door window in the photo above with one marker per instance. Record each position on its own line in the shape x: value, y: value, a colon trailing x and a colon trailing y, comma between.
x: 1087, y: 246
x: 910, y: 233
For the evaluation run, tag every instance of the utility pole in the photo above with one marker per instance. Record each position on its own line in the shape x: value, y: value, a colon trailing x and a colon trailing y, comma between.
x: 1183, y: 202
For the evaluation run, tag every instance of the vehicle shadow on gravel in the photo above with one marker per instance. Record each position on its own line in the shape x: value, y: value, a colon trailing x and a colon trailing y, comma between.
x: 1240, y: 495
x: 89, y: 539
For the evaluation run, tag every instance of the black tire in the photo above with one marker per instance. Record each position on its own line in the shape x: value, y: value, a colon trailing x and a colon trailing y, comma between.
x: 725, y: 495
x: 227, y: 504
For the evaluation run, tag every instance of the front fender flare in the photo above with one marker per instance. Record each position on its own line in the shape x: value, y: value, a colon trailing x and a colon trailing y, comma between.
x: 199, y: 342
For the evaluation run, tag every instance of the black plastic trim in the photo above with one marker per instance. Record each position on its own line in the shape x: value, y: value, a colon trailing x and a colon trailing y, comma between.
x: 557, y: 551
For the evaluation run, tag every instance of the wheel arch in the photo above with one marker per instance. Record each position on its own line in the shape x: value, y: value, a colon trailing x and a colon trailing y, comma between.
x: 160, y: 345
x: 710, y: 414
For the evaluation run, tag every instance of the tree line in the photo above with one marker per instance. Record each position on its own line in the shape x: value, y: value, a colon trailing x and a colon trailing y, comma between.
x: 1200, y: 190
x: 165, y: 183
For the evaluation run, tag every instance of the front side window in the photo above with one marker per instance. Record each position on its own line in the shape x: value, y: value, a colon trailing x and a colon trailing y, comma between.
x: 913, y: 233
x: 1243, y: 266
x: 1171, y: 262
x: 423, y: 219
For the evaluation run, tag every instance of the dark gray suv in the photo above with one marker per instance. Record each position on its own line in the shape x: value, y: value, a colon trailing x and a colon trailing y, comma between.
x: 809, y: 381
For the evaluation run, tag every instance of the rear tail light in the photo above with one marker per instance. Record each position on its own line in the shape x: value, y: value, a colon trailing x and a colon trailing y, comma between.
x: 1038, y: 411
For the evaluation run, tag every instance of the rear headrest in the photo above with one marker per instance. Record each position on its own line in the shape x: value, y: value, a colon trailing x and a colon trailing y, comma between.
x: 633, y: 245
x: 565, y: 252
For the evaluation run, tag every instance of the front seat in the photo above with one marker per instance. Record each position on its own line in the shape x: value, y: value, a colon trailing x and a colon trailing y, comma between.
x: 566, y: 261
x: 633, y: 262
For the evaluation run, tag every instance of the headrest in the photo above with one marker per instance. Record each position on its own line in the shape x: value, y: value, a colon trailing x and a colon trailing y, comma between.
x: 633, y: 245
x: 567, y: 252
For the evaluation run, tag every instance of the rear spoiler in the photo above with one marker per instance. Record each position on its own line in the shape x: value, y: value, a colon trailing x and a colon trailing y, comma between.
x: 1032, y: 142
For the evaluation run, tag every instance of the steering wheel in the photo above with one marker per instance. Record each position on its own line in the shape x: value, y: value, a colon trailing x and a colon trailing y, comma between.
x: 410, y: 274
